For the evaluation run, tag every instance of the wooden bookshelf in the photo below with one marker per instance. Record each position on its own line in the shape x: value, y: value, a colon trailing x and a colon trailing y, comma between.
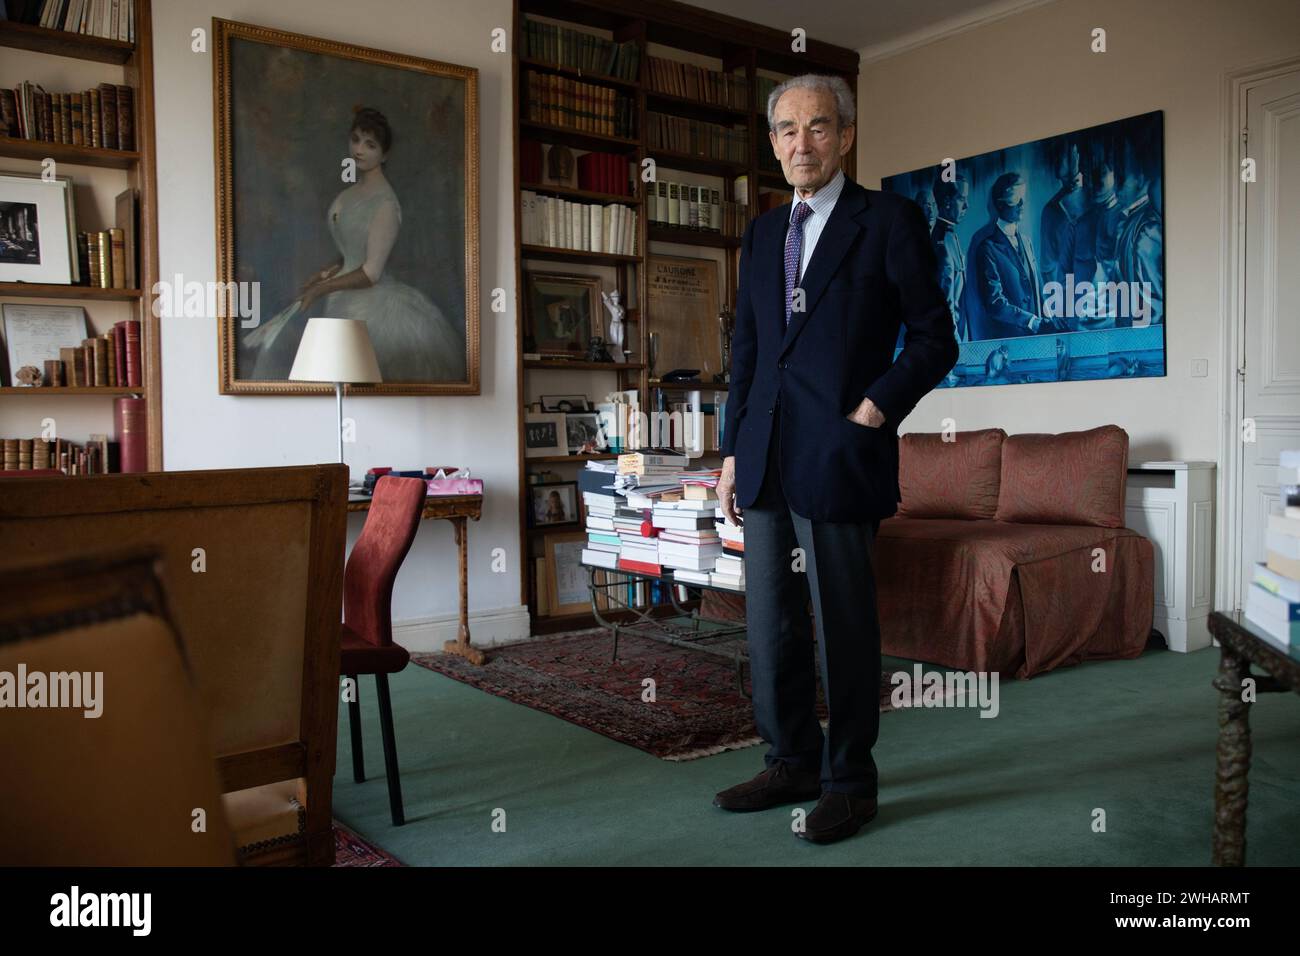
x: 672, y: 30
x: 141, y: 167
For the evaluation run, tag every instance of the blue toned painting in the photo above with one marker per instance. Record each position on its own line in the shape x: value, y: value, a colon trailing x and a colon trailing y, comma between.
x: 1051, y: 254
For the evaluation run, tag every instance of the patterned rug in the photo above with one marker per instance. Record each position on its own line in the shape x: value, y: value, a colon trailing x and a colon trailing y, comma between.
x: 351, y: 850
x: 697, y: 710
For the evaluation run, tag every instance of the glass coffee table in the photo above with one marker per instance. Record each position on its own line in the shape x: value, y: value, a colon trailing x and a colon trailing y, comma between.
x: 720, y: 638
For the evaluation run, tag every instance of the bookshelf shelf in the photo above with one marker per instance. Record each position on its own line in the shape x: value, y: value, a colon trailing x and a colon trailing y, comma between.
x: 22, y: 36
x: 692, y: 237
x: 16, y: 148
x: 35, y: 290
x: 583, y: 194
x: 584, y: 366
x: 669, y: 30
x: 547, y: 67
x: 126, y: 64
x: 577, y: 138
x: 52, y: 391
x: 558, y: 254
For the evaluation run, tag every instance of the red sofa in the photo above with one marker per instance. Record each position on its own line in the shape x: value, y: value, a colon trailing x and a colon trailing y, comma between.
x: 1009, y: 553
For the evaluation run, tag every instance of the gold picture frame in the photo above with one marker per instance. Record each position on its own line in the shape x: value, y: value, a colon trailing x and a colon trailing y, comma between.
x: 280, y: 142
x: 574, y: 541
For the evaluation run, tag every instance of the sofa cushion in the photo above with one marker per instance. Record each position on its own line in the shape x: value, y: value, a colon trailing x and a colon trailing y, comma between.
x: 1071, y: 478
x: 956, y: 479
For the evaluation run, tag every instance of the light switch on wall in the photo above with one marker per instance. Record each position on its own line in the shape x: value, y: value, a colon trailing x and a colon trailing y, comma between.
x: 1200, y: 368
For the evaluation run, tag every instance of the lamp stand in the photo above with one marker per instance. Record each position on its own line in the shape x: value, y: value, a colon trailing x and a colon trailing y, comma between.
x: 338, y: 401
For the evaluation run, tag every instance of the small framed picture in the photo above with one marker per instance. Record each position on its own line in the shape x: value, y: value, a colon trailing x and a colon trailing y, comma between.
x: 567, y: 581
x: 545, y: 434
x: 561, y: 312
x: 555, y: 503
x: 38, y: 233
x: 565, y: 403
x: 583, y: 427
x: 35, y: 333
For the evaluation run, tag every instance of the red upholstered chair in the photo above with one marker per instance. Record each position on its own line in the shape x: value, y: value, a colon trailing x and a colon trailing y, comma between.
x: 367, y: 639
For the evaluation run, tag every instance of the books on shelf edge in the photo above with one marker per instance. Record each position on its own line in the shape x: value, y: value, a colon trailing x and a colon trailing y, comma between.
x: 1288, y: 588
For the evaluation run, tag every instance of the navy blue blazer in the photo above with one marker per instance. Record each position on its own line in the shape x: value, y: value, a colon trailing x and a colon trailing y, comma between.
x: 873, y: 269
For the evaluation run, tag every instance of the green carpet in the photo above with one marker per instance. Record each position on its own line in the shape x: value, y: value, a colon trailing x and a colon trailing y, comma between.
x: 1134, y: 738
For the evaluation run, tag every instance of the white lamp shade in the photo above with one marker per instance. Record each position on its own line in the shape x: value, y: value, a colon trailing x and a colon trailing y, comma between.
x: 335, y: 350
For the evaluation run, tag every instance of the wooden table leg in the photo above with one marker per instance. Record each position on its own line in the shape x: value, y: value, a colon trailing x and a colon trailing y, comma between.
x: 1231, y: 784
x: 461, y: 646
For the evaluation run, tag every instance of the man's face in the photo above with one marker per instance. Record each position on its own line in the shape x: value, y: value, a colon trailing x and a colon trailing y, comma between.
x: 955, y: 205
x: 1011, y: 205
x: 1103, y: 183
x: 925, y: 199
x: 807, y: 137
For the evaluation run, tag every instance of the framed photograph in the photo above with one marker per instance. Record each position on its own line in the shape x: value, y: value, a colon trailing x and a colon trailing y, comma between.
x: 567, y: 581
x: 347, y: 187
x: 545, y: 434
x: 565, y: 403
x: 583, y: 427
x: 556, y: 503
x: 38, y: 232
x: 561, y: 313
x: 35, y: 333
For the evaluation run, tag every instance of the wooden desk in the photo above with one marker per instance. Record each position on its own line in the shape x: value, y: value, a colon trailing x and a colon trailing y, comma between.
x: 1240, y: 647
x: 456, y: 509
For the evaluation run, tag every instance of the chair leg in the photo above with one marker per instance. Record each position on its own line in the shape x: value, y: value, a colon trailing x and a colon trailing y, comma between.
x: 390, y: 750
x: 354, y: 724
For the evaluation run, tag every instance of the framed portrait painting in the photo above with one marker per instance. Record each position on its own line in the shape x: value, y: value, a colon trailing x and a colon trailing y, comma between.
x: 347, y: 187
x: 561, y: 313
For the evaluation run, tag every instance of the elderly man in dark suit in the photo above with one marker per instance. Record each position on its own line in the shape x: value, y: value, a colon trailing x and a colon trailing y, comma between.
x: 810, y: 448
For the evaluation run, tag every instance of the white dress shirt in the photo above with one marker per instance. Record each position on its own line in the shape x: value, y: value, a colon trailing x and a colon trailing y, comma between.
x: 821, y: 203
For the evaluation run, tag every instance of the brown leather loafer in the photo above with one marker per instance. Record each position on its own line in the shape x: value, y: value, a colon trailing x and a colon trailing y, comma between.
x: 773, y: 787
x: 836, y: 816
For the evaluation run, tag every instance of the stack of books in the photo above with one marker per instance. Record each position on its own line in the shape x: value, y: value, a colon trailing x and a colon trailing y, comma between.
x: 111, y: 19
x: 103, y: 117
x: 587, y: 227
x: 729, y: 568
x: 1273, y: 601
x: 689, y: 542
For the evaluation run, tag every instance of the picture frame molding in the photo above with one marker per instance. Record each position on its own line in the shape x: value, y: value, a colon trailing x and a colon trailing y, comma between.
x: 223, y: 31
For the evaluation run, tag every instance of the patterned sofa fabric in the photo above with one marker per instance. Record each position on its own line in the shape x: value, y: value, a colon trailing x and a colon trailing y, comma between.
x: 1074, y: 478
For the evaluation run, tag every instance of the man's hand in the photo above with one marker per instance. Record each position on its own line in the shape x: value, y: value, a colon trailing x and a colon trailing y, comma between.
x: 727, y: 490
x: 867, y: 414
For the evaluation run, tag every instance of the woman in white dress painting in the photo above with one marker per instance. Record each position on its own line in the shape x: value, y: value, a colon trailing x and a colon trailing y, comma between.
x: 413, y: 339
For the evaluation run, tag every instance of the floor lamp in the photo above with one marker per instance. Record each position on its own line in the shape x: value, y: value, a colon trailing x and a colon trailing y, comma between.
x: 338, y: 351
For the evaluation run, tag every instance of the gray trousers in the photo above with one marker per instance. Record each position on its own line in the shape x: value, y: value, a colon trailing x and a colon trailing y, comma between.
x: 839, y: 577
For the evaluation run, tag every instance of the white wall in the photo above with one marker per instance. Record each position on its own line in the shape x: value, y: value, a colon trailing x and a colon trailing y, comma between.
x: 1034, y: 75
x: 203, y: 429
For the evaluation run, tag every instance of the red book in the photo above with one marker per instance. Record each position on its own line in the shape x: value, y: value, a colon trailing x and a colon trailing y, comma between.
x: 627, y: 564
x: 133, y: 376
x: 119, y: 349
x: 130, y: 428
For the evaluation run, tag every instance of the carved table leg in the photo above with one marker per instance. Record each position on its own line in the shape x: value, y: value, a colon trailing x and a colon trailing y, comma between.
x: 1231, y: 786
x: 461, y: 646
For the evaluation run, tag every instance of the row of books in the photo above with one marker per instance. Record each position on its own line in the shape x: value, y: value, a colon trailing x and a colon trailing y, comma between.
x: 561, y: 224
x: 103, y: 260
x: 111, y: 19
x: 670, y: 521
x: 98, y: 456
x: 699, y: 83
x: 103, y: 117
x: 581, y: 51
x: 1273, y: 601
x: 687, y: 420
x: 700, y: 208
x: 595, y: 171
x: 698, y: 138
x: 111, y: 359
x: 585, y: 107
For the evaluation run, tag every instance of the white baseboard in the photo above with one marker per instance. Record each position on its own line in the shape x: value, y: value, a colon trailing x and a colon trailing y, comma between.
x: 489, y: 628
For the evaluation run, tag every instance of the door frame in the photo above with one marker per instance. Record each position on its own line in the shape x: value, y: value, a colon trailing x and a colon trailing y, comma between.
x: 1232, y: 262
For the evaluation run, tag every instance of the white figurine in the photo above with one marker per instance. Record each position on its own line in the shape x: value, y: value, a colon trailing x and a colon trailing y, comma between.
x: 616, y: 312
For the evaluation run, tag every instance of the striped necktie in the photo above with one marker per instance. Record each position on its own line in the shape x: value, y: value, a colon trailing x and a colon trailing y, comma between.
x: 793, y: 251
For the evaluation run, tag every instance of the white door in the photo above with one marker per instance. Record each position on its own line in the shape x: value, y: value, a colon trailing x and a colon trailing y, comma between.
x: 1270, y: 380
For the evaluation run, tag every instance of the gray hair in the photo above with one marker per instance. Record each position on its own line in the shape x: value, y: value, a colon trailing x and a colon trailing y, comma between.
x: 834, y: 85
